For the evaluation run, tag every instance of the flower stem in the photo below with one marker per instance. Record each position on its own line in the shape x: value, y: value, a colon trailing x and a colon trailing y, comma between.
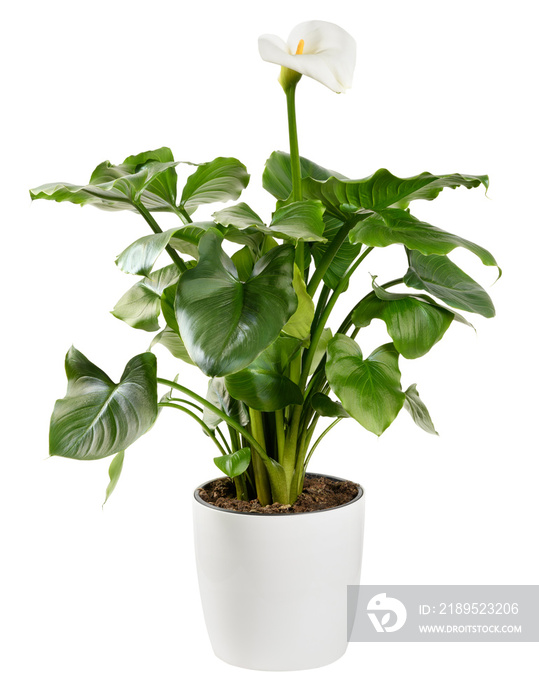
x: 295, y: 163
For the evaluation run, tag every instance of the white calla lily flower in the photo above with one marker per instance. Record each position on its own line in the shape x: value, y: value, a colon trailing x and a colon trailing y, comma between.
x: 321, y: 50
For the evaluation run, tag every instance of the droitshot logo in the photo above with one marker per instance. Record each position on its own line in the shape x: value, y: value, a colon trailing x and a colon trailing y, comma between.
x: 386, y: 614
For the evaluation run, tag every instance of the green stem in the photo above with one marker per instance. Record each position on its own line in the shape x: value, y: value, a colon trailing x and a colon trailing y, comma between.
x: 315, y: 338
x: 331, y: 252
x: 295, y: 163
x: 227, y: 419
x: 182, y: 267
x: 205, y: 427
x: 199, y: 408
x: 263, y: 488
x: 279, y: 429
x: 313, y: 448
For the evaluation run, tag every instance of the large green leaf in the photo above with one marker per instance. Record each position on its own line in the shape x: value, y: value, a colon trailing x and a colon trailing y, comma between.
x: 140, y: 306
x: 299, y: 324
x: 297, y: 221
x: 370, y: 390
x: 440, y: 276
x: 396, y: 226
x: 413, y: 324
x: 343, y: 197
x: 417, y: 409
x: 234, y: 464
x: 226, y: 323
x: 264, y: 385
x: 98, y: 417
x: 148, y: 177
x: 220, y: 180
x: 219, y: 397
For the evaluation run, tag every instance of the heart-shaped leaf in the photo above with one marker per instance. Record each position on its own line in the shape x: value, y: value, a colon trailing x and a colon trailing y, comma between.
x: 226, y: 323
x: 234, y: 464
x: 440, y: 276
x: 263, y: 385
x: 98, y: 417
x: 414, y: 325
x: 370, y: 389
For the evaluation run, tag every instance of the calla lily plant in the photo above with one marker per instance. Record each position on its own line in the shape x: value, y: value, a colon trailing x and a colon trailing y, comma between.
x: 259, y: 321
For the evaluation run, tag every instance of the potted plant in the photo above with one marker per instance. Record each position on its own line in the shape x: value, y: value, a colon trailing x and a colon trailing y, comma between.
x: 250, y: 304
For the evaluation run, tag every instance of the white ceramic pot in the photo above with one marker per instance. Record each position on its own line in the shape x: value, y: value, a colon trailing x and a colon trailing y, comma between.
x: 274, y: 587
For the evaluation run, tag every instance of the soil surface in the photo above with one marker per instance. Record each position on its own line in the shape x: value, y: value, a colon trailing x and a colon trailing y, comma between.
x: 319, y: 493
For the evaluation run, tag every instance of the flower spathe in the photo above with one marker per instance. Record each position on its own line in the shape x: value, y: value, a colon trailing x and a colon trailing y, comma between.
x: 321, y: 50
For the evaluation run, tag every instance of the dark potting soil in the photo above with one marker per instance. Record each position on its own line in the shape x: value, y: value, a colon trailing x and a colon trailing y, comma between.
x: 319, y: 493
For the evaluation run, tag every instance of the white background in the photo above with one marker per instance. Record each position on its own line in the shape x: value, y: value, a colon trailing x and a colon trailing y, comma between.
x: 104, y: 603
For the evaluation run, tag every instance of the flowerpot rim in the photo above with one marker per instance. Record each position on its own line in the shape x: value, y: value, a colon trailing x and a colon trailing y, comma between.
x: 360, y: 494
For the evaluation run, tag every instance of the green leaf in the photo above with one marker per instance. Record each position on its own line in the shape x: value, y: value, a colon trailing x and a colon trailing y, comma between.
x: 218, y: 395
x: 143, y: 178
x: 277, y: 176
x: 220, y: 180
x: 226, y: 323
x: 263, y: 385
x: 345, y: 256
x: 185, y: 239
x: 115, y: 470
x: 414, y: 325
x: 173, y: 343
x: 140, y: 256
x: 321, y: 349
x: 234, y: 464
x: 370, y: 389
x: 298, y: 221
x: 323, y: 405
x: 343, y: 197
x: 162, y: 189
x: 244, y: 262
x: 140, y: 306
x: 239, y: 215
x: 440, y: 276
x: 417, y: 409
x: 396, y: 226
x: 299, y: 324
x: 98, y: 417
